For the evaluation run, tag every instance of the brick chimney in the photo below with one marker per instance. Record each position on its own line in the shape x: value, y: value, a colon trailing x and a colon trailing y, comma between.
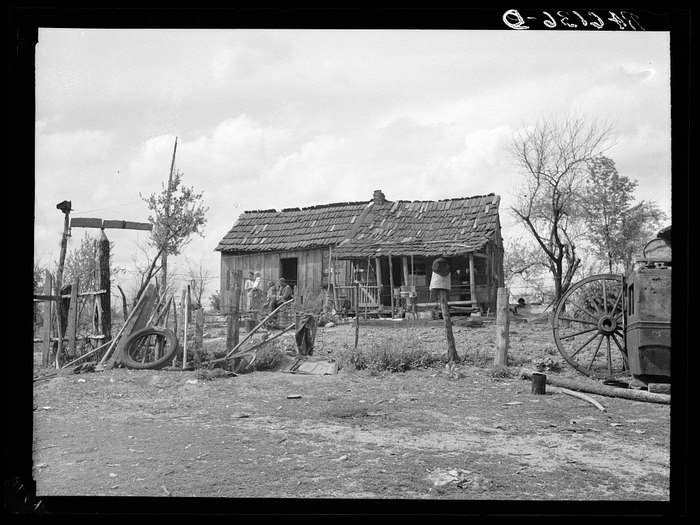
x: 378, y: 197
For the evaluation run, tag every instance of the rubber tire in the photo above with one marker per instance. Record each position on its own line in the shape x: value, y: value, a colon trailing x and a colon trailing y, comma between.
x: 172, y: 346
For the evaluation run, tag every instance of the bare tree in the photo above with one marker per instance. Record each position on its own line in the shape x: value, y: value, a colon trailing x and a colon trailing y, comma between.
x: 197, y: 276
x: 525, y: 267
x: 553, y: 158
x: 147, y: 265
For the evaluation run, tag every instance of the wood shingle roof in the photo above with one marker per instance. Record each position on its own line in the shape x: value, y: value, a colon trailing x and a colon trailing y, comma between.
x: 363, y: 229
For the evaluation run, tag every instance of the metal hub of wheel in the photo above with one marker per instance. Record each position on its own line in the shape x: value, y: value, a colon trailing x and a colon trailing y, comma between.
x: 589, y: 326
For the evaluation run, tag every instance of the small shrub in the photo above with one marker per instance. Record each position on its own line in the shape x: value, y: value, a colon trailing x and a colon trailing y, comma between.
x: 392, y: 355
x: 268, y: 357
x: 499, y: 372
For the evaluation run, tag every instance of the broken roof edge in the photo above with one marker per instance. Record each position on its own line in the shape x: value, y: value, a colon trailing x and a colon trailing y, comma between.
x: 307, y: 208
x: 236, y: 250
x: 365, y: 203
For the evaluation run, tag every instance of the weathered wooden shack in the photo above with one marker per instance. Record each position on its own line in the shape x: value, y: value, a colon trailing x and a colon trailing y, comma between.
x: 384, y: 247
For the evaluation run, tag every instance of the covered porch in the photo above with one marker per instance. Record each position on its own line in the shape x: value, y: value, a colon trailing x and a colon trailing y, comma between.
x: 393, y: 286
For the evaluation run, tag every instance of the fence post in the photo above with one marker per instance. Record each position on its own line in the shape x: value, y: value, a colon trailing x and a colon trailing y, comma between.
x: 46, y: 345
x: 502, y: 325
x: 440, y: 284
x: 198, y: 336
x: 444, y: 306
x: 72, y: 320
x: 186, y: 295
x: 233, y: 310
x: 102, y: 283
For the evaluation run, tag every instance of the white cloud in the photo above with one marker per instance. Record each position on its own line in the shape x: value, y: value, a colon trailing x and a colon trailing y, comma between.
x: 277, y: 119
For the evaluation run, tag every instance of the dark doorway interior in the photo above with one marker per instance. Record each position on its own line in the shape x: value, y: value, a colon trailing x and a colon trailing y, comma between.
x: 288, y: 270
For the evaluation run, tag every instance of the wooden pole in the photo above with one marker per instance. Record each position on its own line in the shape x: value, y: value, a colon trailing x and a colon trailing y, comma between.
x: 234, y: 303
x: 186, y: 323
x: 451, y: 350
x: 391, y: 285
x: 46, y: 345
x: 72, y: 320
x: 502, y: 326
x: 404, y: 265
x: 102, y: 282
x: 198, y: 337
x: 174, y: 324
x: 472, y: 280
x: 357, y: 313
x: 62, y: 310
x: 125, y: 308
x: 489, y: 277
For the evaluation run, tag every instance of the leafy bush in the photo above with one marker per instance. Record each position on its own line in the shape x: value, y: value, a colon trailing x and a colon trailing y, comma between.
x: 268, y: 357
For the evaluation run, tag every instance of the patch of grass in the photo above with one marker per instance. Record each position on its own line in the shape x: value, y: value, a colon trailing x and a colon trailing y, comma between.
x: 478, y: 359
x: 499, y: 372
x: 209, y: 374
x: 391, y: 354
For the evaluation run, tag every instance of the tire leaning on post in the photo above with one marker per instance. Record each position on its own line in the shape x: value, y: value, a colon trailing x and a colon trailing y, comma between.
x: 132, y: 343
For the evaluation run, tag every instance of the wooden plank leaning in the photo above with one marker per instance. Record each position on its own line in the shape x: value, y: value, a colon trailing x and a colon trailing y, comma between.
x: 108, y: 360
x: 250, y: 334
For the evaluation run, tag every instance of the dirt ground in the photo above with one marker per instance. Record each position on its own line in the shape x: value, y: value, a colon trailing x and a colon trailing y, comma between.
x: 416, y: 435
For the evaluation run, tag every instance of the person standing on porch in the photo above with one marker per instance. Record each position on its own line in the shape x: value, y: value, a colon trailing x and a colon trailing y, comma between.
x: 255, y: 293
x: 247, y: 287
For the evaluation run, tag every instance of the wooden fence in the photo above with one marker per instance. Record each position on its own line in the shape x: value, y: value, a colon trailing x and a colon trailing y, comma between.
x: 61, y: 316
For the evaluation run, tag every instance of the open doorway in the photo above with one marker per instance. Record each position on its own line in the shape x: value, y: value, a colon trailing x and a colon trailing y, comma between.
x: 289, y: 270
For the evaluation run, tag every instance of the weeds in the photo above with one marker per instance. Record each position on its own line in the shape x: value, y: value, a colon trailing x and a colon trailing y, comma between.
x: 391, y: 355
x: 499, y: 372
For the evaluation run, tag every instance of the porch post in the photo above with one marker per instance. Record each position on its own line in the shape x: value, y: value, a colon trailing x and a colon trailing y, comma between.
x: 391, y: 285
x: 472, y: 279
x: 404, y: 263
x: 489, y: 269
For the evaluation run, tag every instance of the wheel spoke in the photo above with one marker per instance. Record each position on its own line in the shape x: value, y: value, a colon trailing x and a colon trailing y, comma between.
x: 625, y: 364
x: 609, y: 357
x: 617, y: 301
x: 624, y: 352
x: 583, y: 345
x: 579, y: 333
x: 595, y: 353
x: 563, y: 318
x: 584, y: 310
x: 605, y: 298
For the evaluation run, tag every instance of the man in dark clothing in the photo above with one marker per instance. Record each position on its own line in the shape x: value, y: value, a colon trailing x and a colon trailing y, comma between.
x: 284, y: 292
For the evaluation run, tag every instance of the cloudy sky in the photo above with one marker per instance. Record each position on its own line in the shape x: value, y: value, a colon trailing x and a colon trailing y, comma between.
x: 292, y: 118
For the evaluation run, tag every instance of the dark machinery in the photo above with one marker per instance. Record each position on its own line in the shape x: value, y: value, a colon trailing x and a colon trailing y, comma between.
x: 610, y: 326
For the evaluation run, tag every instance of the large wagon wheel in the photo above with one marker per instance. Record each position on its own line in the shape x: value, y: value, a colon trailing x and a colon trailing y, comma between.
x: 589, y: 326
